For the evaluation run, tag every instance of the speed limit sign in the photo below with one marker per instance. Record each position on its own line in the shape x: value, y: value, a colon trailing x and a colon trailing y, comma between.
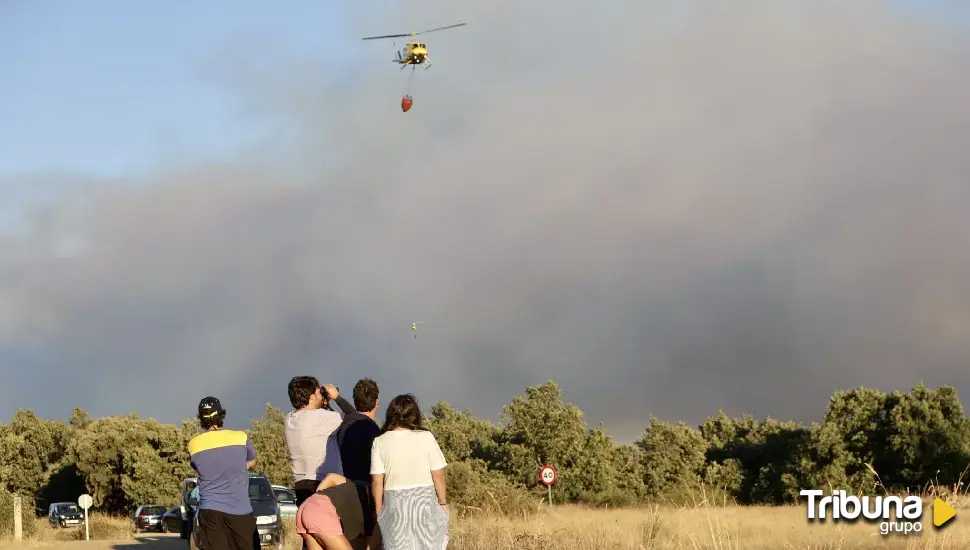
x: 547, y: 475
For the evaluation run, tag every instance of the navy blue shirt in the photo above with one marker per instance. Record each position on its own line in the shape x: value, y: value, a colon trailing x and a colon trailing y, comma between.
x: 355, y: 436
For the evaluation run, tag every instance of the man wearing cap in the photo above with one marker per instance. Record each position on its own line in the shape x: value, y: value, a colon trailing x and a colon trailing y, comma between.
x: 222, y: 459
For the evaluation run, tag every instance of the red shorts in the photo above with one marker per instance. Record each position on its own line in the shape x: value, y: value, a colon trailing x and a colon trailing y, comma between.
x: 317, y: 516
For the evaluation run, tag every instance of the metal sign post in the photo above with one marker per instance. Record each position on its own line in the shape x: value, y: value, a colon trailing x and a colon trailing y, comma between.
x: 85, y: 501
x: 547, y: 475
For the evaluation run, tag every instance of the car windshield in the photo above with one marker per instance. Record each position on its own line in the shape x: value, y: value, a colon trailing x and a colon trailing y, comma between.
x: 283, y: 495
x: 259, y: 489
x: 69, y: 509
x: 153, y: 510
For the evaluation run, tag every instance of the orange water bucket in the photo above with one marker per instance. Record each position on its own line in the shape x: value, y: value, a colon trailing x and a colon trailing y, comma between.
x: 406, y: 103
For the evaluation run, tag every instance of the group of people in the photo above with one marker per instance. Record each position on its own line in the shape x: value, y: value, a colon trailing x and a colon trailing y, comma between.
x: 358, y: 485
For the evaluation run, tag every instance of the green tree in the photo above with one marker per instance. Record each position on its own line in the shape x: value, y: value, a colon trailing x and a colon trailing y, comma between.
x: 474, y: 489
x: 272, y: 458
x: 673, y: 457
x: 31, y: 449
x: 127, y: 461
x: 541, y: 429
x: 774, y: 459
x: 80, y: 419
x: 856, y: 426
x: 613, y: 474
x: 460, y: 435
x: 911, y: 439
x: 931, y: 437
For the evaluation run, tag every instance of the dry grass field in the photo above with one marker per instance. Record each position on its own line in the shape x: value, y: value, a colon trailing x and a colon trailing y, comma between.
x: 572, y: 527
x: 708, y: 528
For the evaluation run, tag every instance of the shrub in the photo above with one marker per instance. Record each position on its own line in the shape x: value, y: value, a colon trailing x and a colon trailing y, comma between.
x: 615, y: 498
x: 473, y: 489
x: 26, y: 513
x: 105, y: 527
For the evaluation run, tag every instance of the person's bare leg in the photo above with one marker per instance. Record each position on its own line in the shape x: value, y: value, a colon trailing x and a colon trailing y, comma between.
x: 311, y: 543
x: 329, y: 542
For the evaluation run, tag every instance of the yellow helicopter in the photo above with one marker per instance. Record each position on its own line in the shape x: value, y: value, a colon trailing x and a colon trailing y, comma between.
x: 414, y: 52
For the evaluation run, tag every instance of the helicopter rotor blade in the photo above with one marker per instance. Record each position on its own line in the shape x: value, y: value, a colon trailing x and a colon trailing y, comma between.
x: 385, y: 36
x: 442, y: 28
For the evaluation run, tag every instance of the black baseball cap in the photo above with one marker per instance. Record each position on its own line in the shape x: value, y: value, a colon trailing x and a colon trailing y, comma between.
x: 209, y: 407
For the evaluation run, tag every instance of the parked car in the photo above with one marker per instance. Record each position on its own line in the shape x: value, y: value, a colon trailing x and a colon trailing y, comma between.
x: 172, y: 520
x: 65, y: 514
x: 269, y: 523
x: 287, y: 499
x: 148, y: 517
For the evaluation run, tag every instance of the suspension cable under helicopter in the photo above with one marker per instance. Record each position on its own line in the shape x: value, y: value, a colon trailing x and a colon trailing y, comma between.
x: 410, y: 78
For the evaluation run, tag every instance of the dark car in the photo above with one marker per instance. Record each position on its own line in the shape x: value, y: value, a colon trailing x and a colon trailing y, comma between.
x: 267, y: 511
x: 269, y: 524
x: 148, y: 517
x: 65, y: 514
x: 172, y: 520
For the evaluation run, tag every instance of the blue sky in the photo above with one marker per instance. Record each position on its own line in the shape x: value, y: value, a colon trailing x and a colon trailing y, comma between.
x: 106, y: 87
x: 103, y: 86
x: 950, y: 11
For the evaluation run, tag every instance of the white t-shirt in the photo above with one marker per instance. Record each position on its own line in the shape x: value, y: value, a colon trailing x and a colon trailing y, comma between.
x: 406, y: 458
x: 309, y: 440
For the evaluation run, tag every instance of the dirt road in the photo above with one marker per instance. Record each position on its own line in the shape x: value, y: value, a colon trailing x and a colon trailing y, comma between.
x: 140, y: 542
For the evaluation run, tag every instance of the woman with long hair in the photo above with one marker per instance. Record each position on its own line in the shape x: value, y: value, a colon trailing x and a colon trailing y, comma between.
x: 408, y: 481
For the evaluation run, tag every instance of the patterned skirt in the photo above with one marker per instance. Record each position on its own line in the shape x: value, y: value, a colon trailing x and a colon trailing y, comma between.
x: 412, y: 519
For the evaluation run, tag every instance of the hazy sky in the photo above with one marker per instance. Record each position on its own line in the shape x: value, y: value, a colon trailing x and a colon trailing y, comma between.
x: 735, y: 205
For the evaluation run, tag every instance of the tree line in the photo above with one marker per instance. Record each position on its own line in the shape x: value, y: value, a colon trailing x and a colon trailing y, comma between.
x: 909, y: 439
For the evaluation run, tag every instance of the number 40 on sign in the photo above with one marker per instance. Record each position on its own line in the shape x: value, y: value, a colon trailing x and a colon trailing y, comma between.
x: 547, y: 475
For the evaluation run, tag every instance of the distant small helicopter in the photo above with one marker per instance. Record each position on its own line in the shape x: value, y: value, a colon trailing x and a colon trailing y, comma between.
x: 414, y: 52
